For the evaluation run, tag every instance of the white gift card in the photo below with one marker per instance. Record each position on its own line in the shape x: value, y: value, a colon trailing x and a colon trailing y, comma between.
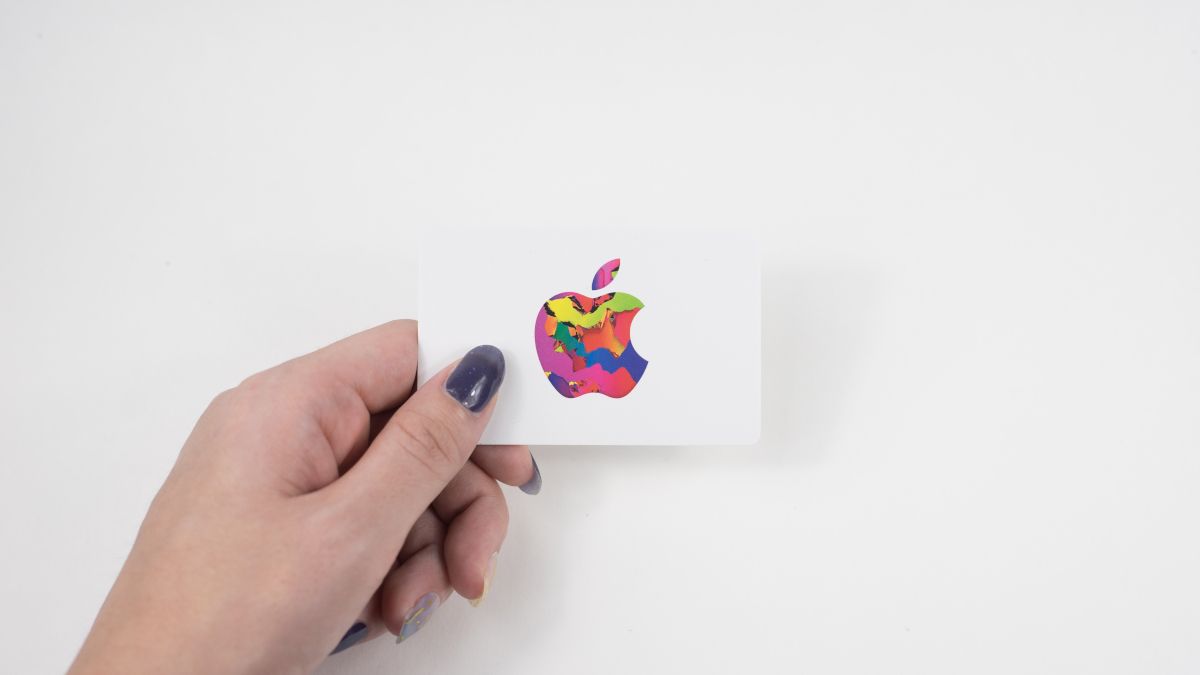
x: 636, y: 338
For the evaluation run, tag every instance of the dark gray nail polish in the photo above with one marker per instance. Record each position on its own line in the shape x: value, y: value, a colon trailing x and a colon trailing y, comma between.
x: 477, y: 377
x: 357, y: 632
x: 533, y: 485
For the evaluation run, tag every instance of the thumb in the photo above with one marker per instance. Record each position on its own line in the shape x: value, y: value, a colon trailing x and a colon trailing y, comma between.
x: 422, y: 447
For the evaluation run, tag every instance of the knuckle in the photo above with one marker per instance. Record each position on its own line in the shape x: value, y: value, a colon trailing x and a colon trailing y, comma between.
x: 259, y: 383
x: 430, y: 439
x: 223, y: 400
x: 256, y: 381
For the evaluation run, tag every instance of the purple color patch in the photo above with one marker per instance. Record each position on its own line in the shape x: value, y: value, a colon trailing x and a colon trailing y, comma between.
x: 606, y: 274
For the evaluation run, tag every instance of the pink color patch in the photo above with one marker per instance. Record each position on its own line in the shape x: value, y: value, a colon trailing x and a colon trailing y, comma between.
x: 606, y: 274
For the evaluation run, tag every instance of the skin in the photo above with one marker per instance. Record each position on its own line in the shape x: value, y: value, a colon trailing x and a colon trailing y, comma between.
x: 318, y: 493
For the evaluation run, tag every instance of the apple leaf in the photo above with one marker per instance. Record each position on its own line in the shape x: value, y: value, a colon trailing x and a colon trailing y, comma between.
x: 606, y: 274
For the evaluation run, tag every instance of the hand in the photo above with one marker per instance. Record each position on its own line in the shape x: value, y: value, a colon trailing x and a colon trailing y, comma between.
x: 318, y: 495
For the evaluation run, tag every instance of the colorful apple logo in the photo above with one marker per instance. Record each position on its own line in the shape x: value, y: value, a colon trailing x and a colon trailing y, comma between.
x: 583, y: 343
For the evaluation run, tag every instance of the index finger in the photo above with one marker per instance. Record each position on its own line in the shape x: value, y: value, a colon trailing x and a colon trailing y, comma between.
x: 379, y: 364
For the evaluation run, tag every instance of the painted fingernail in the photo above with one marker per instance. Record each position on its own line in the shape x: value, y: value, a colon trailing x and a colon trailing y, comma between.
x: 418, y: 616
x: 487, y: 579
x: 357, y: 632
x: 477, y: 377
x: 533, y: 485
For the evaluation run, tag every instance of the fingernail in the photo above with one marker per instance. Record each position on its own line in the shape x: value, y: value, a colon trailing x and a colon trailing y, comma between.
x: 533, y: 485
x: 487, y: 579
x: 477, y: 377
x: 418, y: 616
x: 357, y: 632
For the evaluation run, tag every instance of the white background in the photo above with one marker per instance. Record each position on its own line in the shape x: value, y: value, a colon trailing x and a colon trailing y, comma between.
x: 981, y: 307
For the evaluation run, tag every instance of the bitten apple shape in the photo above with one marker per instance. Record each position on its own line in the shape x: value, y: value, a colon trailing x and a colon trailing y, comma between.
x: 583, y: 343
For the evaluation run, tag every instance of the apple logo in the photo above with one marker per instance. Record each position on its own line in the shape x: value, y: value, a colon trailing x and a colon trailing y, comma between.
x: 583, y: 343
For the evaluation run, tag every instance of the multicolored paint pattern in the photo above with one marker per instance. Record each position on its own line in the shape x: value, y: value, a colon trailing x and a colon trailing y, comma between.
x: 606, y: 274
x: 583, y: 343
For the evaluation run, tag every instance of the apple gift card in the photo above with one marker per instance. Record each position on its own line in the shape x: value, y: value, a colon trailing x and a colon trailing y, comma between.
x: 640, y: 338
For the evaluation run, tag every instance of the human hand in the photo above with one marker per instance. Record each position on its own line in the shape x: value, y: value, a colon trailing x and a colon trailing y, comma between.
x: 318, y: 495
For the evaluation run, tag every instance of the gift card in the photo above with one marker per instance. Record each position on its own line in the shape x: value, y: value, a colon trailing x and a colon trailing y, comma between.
x: 609, y: 338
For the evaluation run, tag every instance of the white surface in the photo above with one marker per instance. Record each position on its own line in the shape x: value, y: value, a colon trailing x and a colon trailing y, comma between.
x: 982, y: 356
x: 700, y: 330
